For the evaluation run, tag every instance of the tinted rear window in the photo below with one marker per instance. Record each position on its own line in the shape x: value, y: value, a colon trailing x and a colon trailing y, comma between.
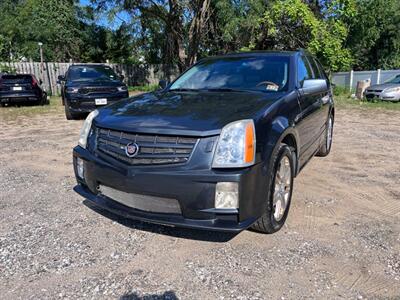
x: 16, y: 78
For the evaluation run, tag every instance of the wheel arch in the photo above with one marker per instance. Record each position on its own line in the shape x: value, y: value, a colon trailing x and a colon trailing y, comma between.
x: 281, y: 131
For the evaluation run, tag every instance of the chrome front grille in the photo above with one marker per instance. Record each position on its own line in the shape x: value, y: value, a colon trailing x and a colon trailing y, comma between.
x: 142, y: 202
x: 90, y: 90
x: 153, y: 149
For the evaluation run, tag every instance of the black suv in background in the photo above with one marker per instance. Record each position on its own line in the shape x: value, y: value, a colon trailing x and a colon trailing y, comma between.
x: 87, y: 87
x: 217, y: 149
x: 21, y: 88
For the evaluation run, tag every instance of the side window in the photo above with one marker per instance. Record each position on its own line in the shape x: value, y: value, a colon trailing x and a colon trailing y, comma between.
x: 314, y: 66
x: 321, y: 70
x: 303, y: 70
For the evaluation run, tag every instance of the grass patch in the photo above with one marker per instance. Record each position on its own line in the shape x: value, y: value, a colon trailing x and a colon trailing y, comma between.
x: 345, y: 101
x: 13, y: 111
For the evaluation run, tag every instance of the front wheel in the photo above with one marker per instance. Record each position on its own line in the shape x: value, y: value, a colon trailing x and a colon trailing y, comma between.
x: 327, y: 144
x: 280, y: 192
x: 68, y: 114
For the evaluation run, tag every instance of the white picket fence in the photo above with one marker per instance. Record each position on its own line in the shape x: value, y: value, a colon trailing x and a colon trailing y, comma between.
x: 350, y: 79
x: 134, y: 74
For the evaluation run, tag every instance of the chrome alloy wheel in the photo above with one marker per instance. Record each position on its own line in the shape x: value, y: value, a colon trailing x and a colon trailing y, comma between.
x: 283, y: 186
x: 329, y: 133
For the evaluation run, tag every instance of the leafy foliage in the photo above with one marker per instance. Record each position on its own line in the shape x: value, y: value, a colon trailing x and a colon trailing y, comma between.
x: 66, y: 30
x: 374, y: 37
x: 291, y: 24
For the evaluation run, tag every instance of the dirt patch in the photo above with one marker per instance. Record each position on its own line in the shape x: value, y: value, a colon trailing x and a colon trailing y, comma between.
x: 341, y: 240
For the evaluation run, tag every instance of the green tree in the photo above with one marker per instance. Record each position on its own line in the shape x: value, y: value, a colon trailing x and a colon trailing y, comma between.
x: 374, y: 37
x: 292, y: 24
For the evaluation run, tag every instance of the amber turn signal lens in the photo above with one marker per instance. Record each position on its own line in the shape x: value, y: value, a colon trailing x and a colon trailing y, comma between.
x: 249, y: 144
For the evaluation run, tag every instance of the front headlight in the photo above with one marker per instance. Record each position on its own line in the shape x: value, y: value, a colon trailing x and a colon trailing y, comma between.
x: 72, y: 90
x: 236, y: 145
x: 122, y: 88
x: 391, y: 90
x: 86, y: 128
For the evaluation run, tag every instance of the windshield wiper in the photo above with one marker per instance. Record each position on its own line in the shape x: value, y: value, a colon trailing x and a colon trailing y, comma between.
x: 182, y: 90
x: 230, y: 90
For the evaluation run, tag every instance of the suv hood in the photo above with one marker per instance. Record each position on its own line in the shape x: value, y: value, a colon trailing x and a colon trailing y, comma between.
x: 383, y: 86
x: 85, y: 83
x: 183, y: 113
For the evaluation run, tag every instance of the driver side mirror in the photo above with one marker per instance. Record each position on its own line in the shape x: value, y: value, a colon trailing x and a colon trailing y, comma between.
x: 311, y: 86
x: 60, y: 78
x: 163, y: 84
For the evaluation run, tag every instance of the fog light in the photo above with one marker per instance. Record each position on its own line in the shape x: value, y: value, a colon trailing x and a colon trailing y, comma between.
x: 79, y: 168
x: 227, y: 195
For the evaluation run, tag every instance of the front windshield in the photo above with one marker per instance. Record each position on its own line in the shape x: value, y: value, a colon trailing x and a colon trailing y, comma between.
x: 83, y: 73
x: 395, y: 80
x: 264, y: 73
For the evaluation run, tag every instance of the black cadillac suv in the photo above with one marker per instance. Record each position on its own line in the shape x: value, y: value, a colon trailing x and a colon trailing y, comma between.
x: 87, y: 87
x: 217, y: 149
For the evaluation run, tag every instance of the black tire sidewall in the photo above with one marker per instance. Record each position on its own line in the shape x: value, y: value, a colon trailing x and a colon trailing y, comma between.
x: 68, y: 114
x: 324, y: 151
x: 326, y: 136
x: 283, y: 150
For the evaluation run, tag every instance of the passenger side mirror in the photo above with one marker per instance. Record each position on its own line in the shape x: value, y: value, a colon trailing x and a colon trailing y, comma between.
x: 163, y: 84
x: 40, y: 81
x: 60, y: 78
x: 311, y: 86
x: 122, y: 77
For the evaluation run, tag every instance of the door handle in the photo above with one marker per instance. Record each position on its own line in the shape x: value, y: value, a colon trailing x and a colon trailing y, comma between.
x: 325, y: 99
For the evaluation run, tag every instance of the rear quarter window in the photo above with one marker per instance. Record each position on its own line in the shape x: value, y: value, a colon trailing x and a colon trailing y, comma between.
x: 304, y: 71
x: 317, y: 70
x: 16, y: 78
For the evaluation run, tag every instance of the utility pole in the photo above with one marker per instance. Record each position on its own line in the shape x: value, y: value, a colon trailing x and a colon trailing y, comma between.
x: 41, y: 59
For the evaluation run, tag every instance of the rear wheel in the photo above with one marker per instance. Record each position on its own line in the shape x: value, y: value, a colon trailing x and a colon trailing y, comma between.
x: 327, y: 144
x: 280, y: 192
x: 44, y: 100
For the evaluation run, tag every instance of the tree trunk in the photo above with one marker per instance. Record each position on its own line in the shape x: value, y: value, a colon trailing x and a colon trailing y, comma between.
x: 197, y: 29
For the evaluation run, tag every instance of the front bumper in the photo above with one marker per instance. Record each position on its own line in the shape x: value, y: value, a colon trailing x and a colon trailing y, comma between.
x: 87, y: 103
x: 193, y: 189
x: 18, y: 97
x: 384, y: 96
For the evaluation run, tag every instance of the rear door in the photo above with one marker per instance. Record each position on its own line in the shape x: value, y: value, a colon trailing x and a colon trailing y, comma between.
x: 323, y: 96
x: 309, y: 123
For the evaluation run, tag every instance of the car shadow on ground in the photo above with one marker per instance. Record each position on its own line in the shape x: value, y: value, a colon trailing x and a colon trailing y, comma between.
x: 178, y: 232
x: 169, y: 295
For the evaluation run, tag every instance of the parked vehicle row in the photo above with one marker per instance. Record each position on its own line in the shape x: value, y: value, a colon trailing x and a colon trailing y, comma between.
x: 217, y: 149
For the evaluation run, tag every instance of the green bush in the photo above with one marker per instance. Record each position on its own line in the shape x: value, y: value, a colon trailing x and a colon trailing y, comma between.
x: 6, y: 69
x: 144, y: 88
x: 341, y: 91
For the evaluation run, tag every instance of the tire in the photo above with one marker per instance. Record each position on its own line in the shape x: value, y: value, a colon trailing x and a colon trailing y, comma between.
x: 43, y: 101
x: 69, y: 115
x: 327, y: 144
x: 272, y: 219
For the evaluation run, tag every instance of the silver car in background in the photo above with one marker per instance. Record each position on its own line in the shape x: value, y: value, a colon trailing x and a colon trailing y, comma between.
x: 388, y: 91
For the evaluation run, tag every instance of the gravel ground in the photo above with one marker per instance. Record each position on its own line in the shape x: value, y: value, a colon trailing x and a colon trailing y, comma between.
x: 342, y: 238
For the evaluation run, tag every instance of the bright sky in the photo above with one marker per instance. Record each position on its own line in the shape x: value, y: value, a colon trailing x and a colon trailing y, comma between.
x: 103, y: 21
